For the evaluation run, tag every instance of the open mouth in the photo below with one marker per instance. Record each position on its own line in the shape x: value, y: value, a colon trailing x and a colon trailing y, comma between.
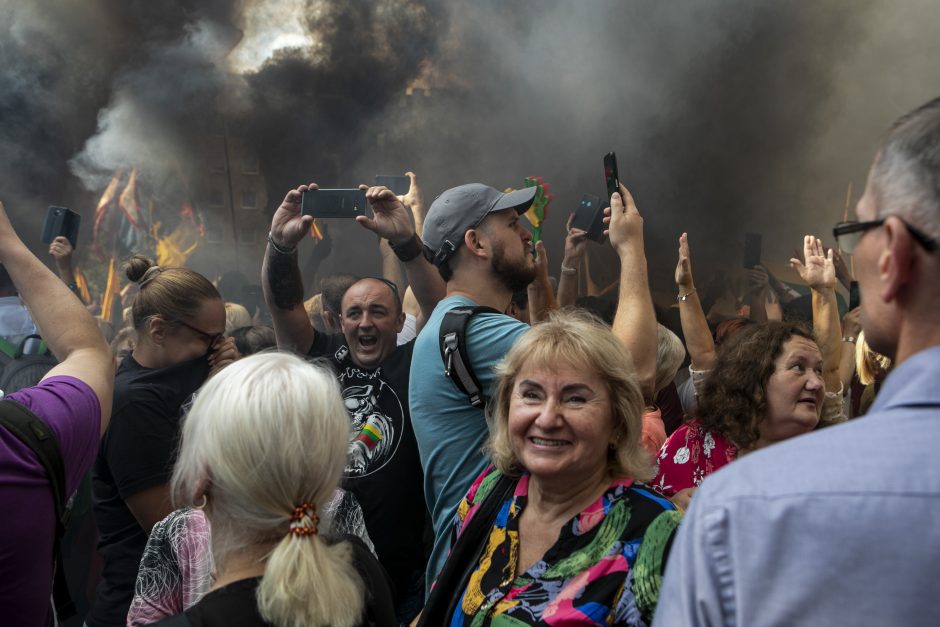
x: 548, y: 442
x: 368, y: 341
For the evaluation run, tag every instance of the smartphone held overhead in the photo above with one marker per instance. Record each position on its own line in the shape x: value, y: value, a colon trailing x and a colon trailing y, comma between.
x: 589, y: 217
x: 611, y: 175
x: 334, y: 203
x: 61, y: 221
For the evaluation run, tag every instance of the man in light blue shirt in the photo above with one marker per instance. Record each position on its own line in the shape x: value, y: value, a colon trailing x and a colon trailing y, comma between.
x: 840, y: 527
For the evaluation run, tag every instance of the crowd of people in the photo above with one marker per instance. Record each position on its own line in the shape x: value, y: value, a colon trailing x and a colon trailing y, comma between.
x: 462, y: 439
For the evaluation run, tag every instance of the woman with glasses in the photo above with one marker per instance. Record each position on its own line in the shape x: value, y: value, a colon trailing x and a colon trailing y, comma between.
x: 179, y: 318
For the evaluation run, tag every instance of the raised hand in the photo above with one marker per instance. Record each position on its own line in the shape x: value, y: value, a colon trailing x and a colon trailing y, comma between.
x: 61, y: 250
x: 757, y: 279
x: 222, y: 355
x: 623, y: 220
x: 684, y: 266
x: 288, y: 226
x: 575, y: 244
x: 818, y: 271
x: 390, y: 217
x: 415, y: 197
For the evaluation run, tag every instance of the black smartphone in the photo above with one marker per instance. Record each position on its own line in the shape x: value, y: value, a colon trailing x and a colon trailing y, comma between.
x: 589, y: 217
x: 611, y: 175
x: 333, y: 203
x: 752, y: 245
x: 61, y: 221
x: 398, y: 184
x: 855, y: 297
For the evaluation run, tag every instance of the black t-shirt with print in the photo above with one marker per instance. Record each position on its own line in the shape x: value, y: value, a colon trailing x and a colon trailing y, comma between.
x: 137, y: 453
x: 383, y: 470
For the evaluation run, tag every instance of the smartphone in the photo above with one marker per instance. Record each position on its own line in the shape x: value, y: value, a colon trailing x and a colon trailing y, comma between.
x: 752, y: 245
x: 61, y: 221
x: 333, y: 203
x: 855, y: 297
x: 610, y: 174
x: 589, y: 216
x: 398, y: 184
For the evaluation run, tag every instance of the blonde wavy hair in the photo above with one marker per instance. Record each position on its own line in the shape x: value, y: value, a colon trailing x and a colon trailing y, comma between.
x: 266, y: 434
x: 580, y: 341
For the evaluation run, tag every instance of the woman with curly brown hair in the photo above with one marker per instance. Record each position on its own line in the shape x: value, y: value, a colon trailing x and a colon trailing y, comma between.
x: 767, y: 384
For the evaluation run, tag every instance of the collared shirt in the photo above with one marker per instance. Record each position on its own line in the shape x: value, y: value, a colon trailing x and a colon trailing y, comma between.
x: 837, y: 527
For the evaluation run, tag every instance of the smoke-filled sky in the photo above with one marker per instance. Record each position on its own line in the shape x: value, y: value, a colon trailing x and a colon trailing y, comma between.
x: 727, y: 116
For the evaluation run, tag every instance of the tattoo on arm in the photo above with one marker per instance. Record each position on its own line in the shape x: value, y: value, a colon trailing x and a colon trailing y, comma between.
x: 284, y: 279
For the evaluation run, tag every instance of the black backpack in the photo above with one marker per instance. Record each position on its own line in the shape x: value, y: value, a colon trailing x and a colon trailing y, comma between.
x: 21, y: 367
x: 453, y: 344
x: 39, y: 437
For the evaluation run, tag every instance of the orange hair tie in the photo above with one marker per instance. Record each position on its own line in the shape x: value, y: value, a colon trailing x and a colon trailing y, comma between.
x: 298, y: 515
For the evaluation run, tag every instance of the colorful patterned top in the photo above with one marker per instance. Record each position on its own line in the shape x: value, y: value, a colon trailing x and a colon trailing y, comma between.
x: 605, y: 568
x: 689, y: 455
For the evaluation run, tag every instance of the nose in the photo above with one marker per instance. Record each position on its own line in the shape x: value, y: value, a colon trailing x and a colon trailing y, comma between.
x: 549, y: 414
x: 815, y: 381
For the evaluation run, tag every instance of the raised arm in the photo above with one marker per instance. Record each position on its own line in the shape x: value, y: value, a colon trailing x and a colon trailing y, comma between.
x: 391, y: 221
x: 61, y: 250
x: 280, y: 274
x: 819, y: 273
x: 635, y: 322
x: 541, y: 296
x: 568, y: 283
x: 698, y: 337
x: 757, y: 280
x: 851, y: 327
x: 68, y: 329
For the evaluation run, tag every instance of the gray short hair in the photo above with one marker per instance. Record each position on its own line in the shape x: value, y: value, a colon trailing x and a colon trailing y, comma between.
x: 906, y: 172
x: 266, y: 434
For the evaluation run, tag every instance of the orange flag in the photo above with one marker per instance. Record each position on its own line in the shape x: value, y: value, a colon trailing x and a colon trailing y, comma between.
x: 82, y: 284
x: 112, y: 290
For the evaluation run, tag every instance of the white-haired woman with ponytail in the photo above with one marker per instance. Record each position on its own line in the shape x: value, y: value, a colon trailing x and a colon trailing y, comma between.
x: 262, y: 451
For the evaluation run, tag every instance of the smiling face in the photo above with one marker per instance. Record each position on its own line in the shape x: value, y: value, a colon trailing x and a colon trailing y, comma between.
x: 795, y: 392
x: 560, y: 424
x: 371, y: 320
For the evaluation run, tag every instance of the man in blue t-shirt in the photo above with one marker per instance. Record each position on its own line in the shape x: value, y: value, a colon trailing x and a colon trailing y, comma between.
x: 474, y: 236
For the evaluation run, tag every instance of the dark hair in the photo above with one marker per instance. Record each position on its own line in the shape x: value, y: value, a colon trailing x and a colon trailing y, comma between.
x: 734, y: 397
x: 251, y: 340
x: 174, y: 294
x: 727, y: 329
x: 332, y: 289
x: 396, y: 297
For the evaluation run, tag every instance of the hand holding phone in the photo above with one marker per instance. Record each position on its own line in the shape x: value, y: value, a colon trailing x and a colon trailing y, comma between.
x: 398, y: 184
x: 61, y: 221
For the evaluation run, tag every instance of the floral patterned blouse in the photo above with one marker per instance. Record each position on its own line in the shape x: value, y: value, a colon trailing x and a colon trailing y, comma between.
x: 604, y: 569
x: 689, y: 455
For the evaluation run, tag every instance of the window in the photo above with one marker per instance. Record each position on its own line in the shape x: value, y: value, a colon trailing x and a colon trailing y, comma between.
x: 249, y: 199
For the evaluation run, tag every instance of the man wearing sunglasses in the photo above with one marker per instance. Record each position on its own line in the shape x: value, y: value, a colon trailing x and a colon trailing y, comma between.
x: 839, y: 527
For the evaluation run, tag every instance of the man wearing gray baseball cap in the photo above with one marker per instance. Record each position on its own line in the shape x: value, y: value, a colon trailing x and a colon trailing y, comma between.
x: 476, y: 237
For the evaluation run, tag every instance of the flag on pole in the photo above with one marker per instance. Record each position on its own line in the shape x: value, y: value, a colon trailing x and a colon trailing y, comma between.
x: 82, y: 283
x: 175, y: 248
x: 103, y: 232
x: 112, y: 290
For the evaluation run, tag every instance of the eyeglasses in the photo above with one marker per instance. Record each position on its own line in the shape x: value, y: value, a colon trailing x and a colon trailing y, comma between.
x: 848, y: 234
x: 212, y: 338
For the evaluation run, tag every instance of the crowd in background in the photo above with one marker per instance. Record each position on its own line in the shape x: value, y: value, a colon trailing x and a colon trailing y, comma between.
x: 475, y: 436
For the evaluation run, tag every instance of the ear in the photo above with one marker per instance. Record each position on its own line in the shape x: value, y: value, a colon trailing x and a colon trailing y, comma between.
x: 329, y: 320
x: 157, y: 329
x: 895, y: 264
x: 400, y: 324
x: 476, y: 242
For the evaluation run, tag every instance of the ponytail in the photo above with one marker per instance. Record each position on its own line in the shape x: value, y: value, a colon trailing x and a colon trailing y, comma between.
x: 308, y: 582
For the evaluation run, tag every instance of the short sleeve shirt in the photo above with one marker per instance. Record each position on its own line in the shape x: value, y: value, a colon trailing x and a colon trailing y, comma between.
x: 137, y: 453
x: 27, y: 526
x: 383, y: 471
x: 689, y: 455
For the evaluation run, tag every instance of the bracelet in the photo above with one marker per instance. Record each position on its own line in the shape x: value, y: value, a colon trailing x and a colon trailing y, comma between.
x: 280, y: 249
x: 566, y: 270
x: 850, y: 339
x: 685, y: 297
x: 409, y: 249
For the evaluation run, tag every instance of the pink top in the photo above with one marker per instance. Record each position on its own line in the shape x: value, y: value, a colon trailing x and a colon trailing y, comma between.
x: 689, y: 455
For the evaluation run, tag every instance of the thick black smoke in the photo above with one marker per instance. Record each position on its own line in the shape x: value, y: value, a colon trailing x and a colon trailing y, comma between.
x: 727, y: 116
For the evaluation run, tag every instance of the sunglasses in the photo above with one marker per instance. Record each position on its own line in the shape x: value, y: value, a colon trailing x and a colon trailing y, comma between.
x: 848, y: 234
x: 212, y: 338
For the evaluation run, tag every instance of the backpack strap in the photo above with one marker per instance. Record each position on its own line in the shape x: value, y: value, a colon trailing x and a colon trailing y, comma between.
x: 39, y: 437
x: 464, y: 557
x: 453, y: 344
